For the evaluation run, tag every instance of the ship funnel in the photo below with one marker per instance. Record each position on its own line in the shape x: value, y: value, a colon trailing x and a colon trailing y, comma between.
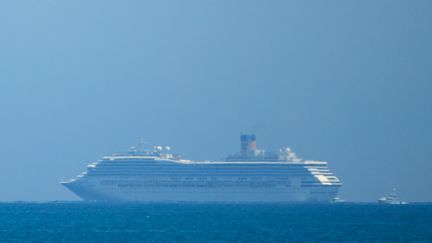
x: 247, y: 144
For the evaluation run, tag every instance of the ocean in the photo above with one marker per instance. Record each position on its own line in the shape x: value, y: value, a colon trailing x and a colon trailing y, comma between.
x: 187, y: 222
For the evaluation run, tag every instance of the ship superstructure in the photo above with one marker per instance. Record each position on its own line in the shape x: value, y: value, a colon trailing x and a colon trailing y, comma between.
x: 252, y: 175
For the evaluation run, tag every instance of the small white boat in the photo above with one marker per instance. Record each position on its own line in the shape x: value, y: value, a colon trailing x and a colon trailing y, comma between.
x: 390, y: 199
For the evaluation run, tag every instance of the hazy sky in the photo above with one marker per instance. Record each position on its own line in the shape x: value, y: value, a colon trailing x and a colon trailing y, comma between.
x: 349, y: 82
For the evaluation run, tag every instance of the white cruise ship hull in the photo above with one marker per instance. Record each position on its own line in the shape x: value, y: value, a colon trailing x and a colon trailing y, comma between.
x: 146, y: 179
x: 202, y: 194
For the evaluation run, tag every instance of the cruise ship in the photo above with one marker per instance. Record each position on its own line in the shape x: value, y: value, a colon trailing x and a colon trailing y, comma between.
x: 252, y: 175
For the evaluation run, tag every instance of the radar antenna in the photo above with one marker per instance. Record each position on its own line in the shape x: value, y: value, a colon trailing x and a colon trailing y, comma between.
x: 140, y: 146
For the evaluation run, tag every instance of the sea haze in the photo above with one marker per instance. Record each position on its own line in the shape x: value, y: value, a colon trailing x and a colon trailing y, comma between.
x: 183, y: 222
x: 348, y: 82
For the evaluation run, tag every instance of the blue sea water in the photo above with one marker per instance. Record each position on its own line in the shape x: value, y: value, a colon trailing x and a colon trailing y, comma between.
x: 182, y: 222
